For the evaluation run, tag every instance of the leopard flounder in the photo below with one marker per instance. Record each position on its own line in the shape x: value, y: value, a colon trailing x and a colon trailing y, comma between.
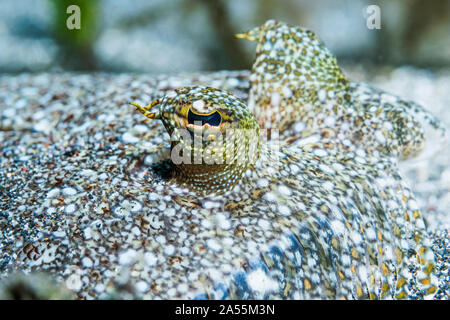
x: 319, y: 212
x: 329, y: 214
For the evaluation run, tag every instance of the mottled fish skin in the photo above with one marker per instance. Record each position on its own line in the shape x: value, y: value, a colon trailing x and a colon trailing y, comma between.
x: 298, y: 88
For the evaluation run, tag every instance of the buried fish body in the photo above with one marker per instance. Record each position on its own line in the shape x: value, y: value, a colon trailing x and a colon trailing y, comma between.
x: 322, y: 212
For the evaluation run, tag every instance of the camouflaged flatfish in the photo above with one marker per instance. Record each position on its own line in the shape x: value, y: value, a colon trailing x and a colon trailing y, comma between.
x: 309, y: 204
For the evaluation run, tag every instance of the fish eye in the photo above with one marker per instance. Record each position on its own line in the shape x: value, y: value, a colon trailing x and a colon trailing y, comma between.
x: 213, y: 119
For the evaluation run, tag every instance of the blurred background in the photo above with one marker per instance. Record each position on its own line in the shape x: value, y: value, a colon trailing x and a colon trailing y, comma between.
x: 169, y: 36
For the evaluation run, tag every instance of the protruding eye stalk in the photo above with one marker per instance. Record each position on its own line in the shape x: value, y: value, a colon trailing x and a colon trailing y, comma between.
x: 213, y: 135
x: 146, y: 110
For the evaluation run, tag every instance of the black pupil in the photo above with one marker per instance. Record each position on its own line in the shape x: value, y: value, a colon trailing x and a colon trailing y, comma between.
x: 212, y: 119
